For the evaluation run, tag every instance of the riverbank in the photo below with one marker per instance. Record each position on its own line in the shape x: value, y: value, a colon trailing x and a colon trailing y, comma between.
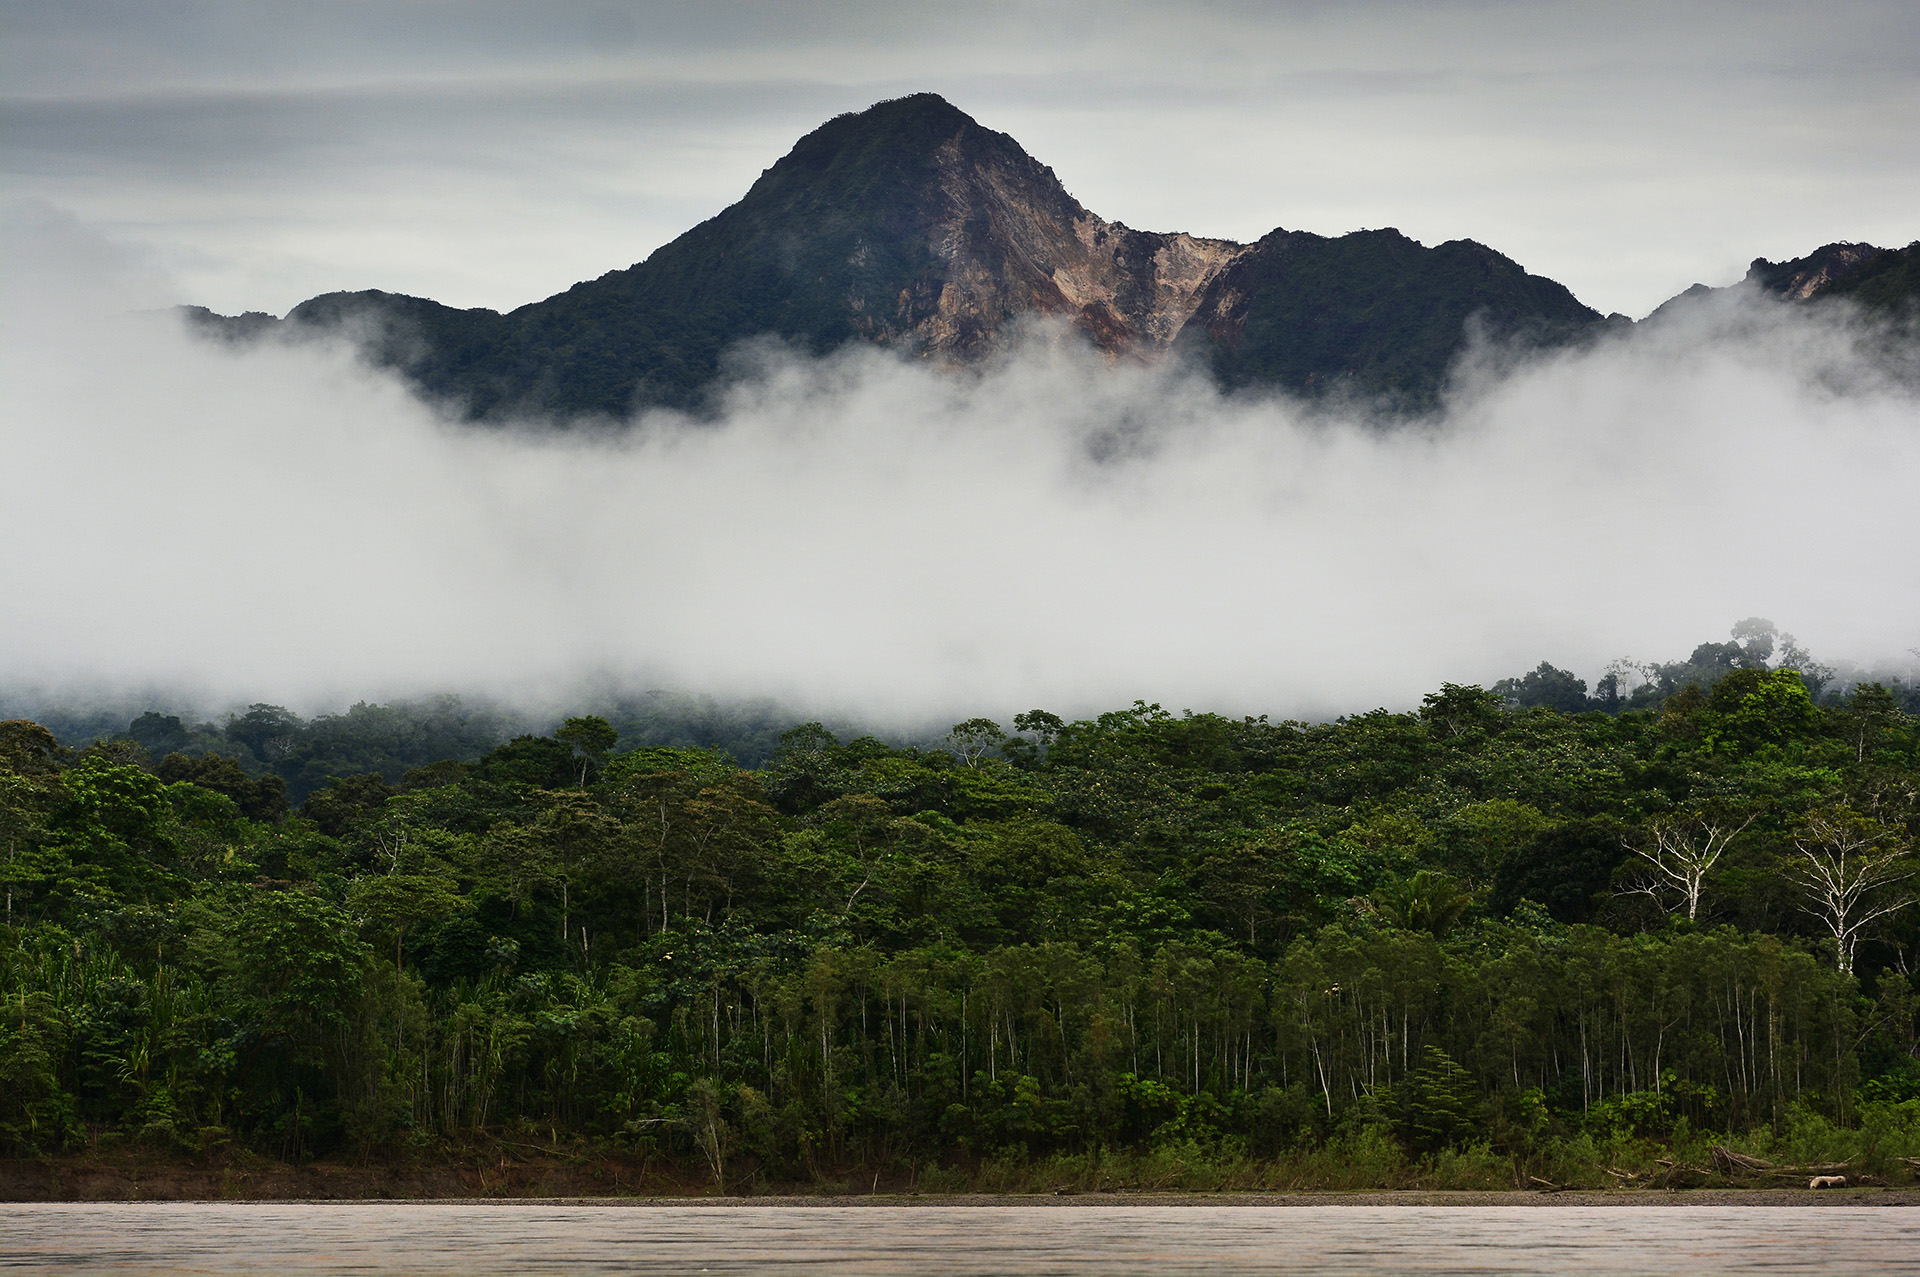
x: 536, y: 1177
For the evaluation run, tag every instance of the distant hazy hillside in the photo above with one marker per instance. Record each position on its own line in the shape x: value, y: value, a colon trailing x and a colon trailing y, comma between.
x: 911, y: 226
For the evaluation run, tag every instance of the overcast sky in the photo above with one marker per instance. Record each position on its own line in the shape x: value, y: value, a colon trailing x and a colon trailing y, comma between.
x: 492, y: 153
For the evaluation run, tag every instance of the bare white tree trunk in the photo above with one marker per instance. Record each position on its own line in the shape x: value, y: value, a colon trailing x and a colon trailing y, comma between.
x: 1846, y: 863
x: 1683, y: 853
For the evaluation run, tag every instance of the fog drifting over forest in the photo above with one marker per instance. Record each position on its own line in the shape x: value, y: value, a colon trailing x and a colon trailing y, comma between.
x: 876, y: 537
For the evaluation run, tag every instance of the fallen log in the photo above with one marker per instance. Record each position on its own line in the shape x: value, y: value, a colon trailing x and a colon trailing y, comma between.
x: 1683, y: 1176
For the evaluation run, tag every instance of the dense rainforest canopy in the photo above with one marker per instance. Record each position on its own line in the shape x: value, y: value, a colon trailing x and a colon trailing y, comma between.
x: 1512, y: 921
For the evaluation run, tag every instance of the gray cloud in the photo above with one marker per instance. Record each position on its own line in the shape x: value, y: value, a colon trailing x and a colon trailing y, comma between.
x: 867, y: 535
x: 491, y: 153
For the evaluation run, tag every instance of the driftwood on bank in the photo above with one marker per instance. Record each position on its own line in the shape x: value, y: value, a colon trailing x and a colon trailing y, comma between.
x: 1728, y: 1162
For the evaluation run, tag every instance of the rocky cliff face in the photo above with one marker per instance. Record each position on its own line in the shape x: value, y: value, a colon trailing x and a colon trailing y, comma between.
x: 1011, y: 242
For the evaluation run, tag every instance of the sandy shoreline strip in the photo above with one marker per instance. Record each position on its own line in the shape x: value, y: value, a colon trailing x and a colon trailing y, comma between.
x: 1649, y: 1198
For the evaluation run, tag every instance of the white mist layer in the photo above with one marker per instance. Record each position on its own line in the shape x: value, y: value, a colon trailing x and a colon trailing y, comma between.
x: 878, y: 538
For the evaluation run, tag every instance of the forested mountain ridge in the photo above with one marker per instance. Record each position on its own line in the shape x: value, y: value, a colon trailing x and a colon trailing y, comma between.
x: 1471, y: 943
x: 1373, y: 311
x: 1878, y: 278
x: 912, y: 226
x: 1883, y: 281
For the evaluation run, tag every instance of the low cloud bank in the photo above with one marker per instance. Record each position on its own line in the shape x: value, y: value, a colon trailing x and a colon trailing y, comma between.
x: 869, y: 536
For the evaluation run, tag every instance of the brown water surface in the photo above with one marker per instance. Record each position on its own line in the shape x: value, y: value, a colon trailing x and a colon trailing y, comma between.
x: 179, y: 1238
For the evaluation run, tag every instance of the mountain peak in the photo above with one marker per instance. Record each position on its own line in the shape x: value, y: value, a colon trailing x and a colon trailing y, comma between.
x: 911, y: 225
x: 885, y: 155
x: 886, y: 134
x: 925, y: 114
x: 938, y: 235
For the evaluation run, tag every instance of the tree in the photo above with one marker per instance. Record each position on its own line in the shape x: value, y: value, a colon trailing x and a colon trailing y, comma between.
x: 345, y: 800
x: 1753, y: 709
x: 527, y: 762
x: 23, y: 812
x: 591, y: 737
x: 1563, y: 869
x: 862, y: 828
x: 686, y: 814
x: 709, y: 1127
x: 297, y: 955
x: 268, y: 730
x: 1439, y: 1105
x: 160, y: 733
x: 1679, y: 853
x: 1755, y: 636
x: 1428, y: 901
x: 1456, y: 709
x: 1870, y: 712
x: 1800, y: 661
x: 804, y: 763
x: 970, y: 741
x: 261, y: 799
x: 396, y: 902
x: 1039, y: 729
x: 29, y: 749
x: 117, y: 825
x: 1546, y: 686
x: 1475, y: 839
x: 569, y: 835
x: 1848, y: 862
x: 1246, y: 886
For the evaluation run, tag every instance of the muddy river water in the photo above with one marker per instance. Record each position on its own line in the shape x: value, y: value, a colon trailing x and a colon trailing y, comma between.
x: 170, y: 1238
